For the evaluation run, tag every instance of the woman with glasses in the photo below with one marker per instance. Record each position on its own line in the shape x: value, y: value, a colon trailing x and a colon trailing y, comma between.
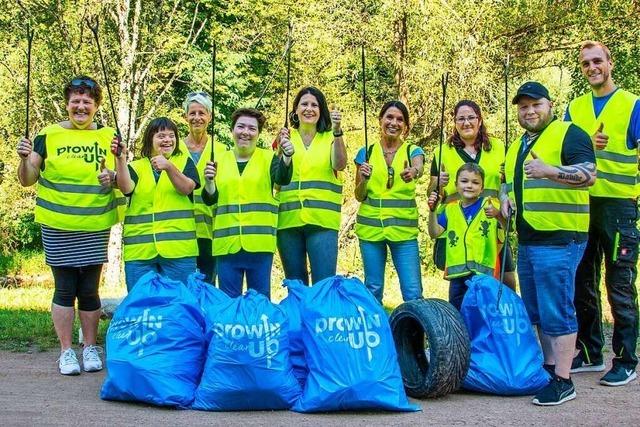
x: 309, y: 217
x: 241, y: 182
x: 76, y: 207
x: 470, y: 143
x: 388, y: 215
x: 197, y: 112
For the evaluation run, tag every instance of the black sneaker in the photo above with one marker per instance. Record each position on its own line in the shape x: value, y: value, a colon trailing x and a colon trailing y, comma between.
x: 618, y: 375
x: 579, y: 364
x: 555, y: 393
x: 551, y: 369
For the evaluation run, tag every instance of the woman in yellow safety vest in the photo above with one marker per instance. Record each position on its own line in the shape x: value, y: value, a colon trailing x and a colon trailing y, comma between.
x: 241, y: 182
x: 76, y: 207
x: 309, y: 215
x: 197, y: 112
x: 159, y: 227
x: 470, y: 143
x: 388, y: 215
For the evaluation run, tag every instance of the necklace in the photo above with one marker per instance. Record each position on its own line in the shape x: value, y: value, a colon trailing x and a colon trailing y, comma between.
x: 389, y: 152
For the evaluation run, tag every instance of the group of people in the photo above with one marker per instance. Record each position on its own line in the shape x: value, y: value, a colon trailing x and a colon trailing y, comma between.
x: 571, y: 186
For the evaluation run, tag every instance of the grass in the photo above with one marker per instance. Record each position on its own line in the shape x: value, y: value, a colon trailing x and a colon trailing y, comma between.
x: 25, y: 318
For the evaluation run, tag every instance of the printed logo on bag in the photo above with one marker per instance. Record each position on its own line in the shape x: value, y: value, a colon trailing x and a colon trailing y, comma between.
x: 138, y: 331
x: 357, y: 332
x: 260, y: 340
x: 89, y: 153
x: 507, y: 319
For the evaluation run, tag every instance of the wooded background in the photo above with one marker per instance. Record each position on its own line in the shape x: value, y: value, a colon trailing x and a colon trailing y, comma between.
x: 158, y: 51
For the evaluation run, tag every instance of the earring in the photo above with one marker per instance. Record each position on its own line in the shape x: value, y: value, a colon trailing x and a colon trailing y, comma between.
x: 293, y: 118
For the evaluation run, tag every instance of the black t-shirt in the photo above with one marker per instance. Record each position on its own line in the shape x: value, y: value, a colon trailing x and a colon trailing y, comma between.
x: 189, y: 171
x: 576, y: 148
x: 463, y: 155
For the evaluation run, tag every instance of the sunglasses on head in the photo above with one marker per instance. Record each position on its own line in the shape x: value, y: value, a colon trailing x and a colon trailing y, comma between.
x: 390, y: 174
x: 83, y: 82
x: 193, y: 94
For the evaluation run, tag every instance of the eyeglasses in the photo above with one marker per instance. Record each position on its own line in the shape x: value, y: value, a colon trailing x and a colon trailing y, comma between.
x: 194, y: 94
x: 83, y: 82
x: 390, y: 174
x: 461, y: 120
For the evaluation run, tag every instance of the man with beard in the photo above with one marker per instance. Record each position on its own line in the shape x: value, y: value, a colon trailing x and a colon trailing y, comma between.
x: 612, y: 116
x: 547, y: 172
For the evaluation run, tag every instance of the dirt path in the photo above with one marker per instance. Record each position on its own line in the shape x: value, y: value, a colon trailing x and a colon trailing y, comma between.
x: 33, y: 393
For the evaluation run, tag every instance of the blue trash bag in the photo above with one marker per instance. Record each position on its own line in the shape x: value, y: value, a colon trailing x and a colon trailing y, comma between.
x: 155, y: 345
x: 248, y: 366
x: 506, y: 358
x: 292, y: 306
x: 349, y: 350
x: 210, y: 299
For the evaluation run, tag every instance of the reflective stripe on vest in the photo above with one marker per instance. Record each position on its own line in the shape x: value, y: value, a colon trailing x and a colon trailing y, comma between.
x: 69, y: 194
x: 247, y: 213
x: 490, y: 161
x: 314, y: 195
x: 160, y: 221
x: 548, y: 205
x: 388, y: 214
x: 471, y: 247
x: 617, y: 164
x: 204, y: 214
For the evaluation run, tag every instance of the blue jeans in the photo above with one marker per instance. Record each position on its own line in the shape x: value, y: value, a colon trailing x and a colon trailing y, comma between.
x: 174, y: 268
x: 321, y: 244
x: 206, y: 262
x: 406, y: 260
x: 457, y: 290
x: 255, y: 265
x: 547, y: 284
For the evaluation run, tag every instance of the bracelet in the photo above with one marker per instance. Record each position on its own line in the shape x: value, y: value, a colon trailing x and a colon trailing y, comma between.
x: 285, y: 154
x: 338, y: 134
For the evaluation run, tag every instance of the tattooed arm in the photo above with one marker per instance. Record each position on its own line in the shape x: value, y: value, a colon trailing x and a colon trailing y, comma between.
x: 578, y: 175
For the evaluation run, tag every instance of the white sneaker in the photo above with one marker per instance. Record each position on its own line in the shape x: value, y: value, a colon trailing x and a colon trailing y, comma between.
x: 91, y: 361
x: 68, y: 362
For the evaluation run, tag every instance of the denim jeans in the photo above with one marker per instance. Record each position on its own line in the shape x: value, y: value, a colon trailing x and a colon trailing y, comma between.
x: 406, y: 260
x: 547, y: 277
x: 256, y: 266
x: 612, y: 221
x: 206, y: 262
x: 174, y: 268
x: 457, y: 290
x: 321, y: 244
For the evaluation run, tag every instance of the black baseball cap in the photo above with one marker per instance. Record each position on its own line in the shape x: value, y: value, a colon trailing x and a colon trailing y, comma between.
x: 533, y: 90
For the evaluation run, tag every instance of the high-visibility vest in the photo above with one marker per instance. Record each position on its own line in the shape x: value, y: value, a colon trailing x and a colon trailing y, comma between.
x: 159, y: 220
x: 314, y: 195
x: 247, y: 212
x: 549, y: 205
x: 490, y: 161
x: 70, y: 196
x: 617, y: 164
x: 471, y: 247
x: 388, y: 213
x: 203, y: 213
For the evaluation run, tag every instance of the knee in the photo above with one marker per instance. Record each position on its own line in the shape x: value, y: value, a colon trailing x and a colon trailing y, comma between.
x: 64, y: 297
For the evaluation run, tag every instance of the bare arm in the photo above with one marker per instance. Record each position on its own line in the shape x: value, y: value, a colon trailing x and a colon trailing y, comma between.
x: 30, y: 163
x: 123, y: 177
x: 435, y: 229
x: 338, y: 149
x: 362, y: 178
x: 578, y: 175
x: 180, y: 181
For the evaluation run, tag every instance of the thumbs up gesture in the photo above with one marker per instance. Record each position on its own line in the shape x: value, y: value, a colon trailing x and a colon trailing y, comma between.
x: 536, y: 168
x: 106, y: 176
x: 409, y: 173
x: 600, y: 139
x: 444, y: 177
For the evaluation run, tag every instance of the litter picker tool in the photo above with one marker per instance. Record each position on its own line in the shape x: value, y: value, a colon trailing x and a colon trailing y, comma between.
x: 213, y: 98
x: 30, y: 33
x: 504, y: 254
x: 444, y: 81
x: 364, y: 106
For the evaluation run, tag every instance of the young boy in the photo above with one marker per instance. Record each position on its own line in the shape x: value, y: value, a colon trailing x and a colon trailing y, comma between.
x: 473, y: 228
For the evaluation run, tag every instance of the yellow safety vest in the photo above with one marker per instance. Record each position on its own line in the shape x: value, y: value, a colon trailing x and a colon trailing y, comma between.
x: 471, y: 247
x: 549, y: 205
x: 617, y: 164
x: 160, y: 220
x: 69, y: 194
x: 203, y: 213
x: 388, y: 213
x: 314, y: 195
x: 490, y: 161
x: 247, y: 212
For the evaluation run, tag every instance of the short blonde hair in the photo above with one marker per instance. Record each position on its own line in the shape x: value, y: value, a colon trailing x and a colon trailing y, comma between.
x: 589, y: 44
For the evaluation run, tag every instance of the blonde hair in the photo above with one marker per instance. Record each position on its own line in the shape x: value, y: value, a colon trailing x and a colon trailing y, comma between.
x: 589, y: 44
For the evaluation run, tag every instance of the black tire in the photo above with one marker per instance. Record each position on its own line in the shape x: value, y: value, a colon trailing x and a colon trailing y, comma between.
x: 436, y: 326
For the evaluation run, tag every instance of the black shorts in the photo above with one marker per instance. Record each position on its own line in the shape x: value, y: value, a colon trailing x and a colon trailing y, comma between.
x: 79, y: 283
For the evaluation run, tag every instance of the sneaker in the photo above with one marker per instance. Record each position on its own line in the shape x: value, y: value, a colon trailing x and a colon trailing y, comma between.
x: 91, y: 361
x: 581, y: 365
x: 618, y: 375
x: 555, y: 393
x: 68, y: 362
